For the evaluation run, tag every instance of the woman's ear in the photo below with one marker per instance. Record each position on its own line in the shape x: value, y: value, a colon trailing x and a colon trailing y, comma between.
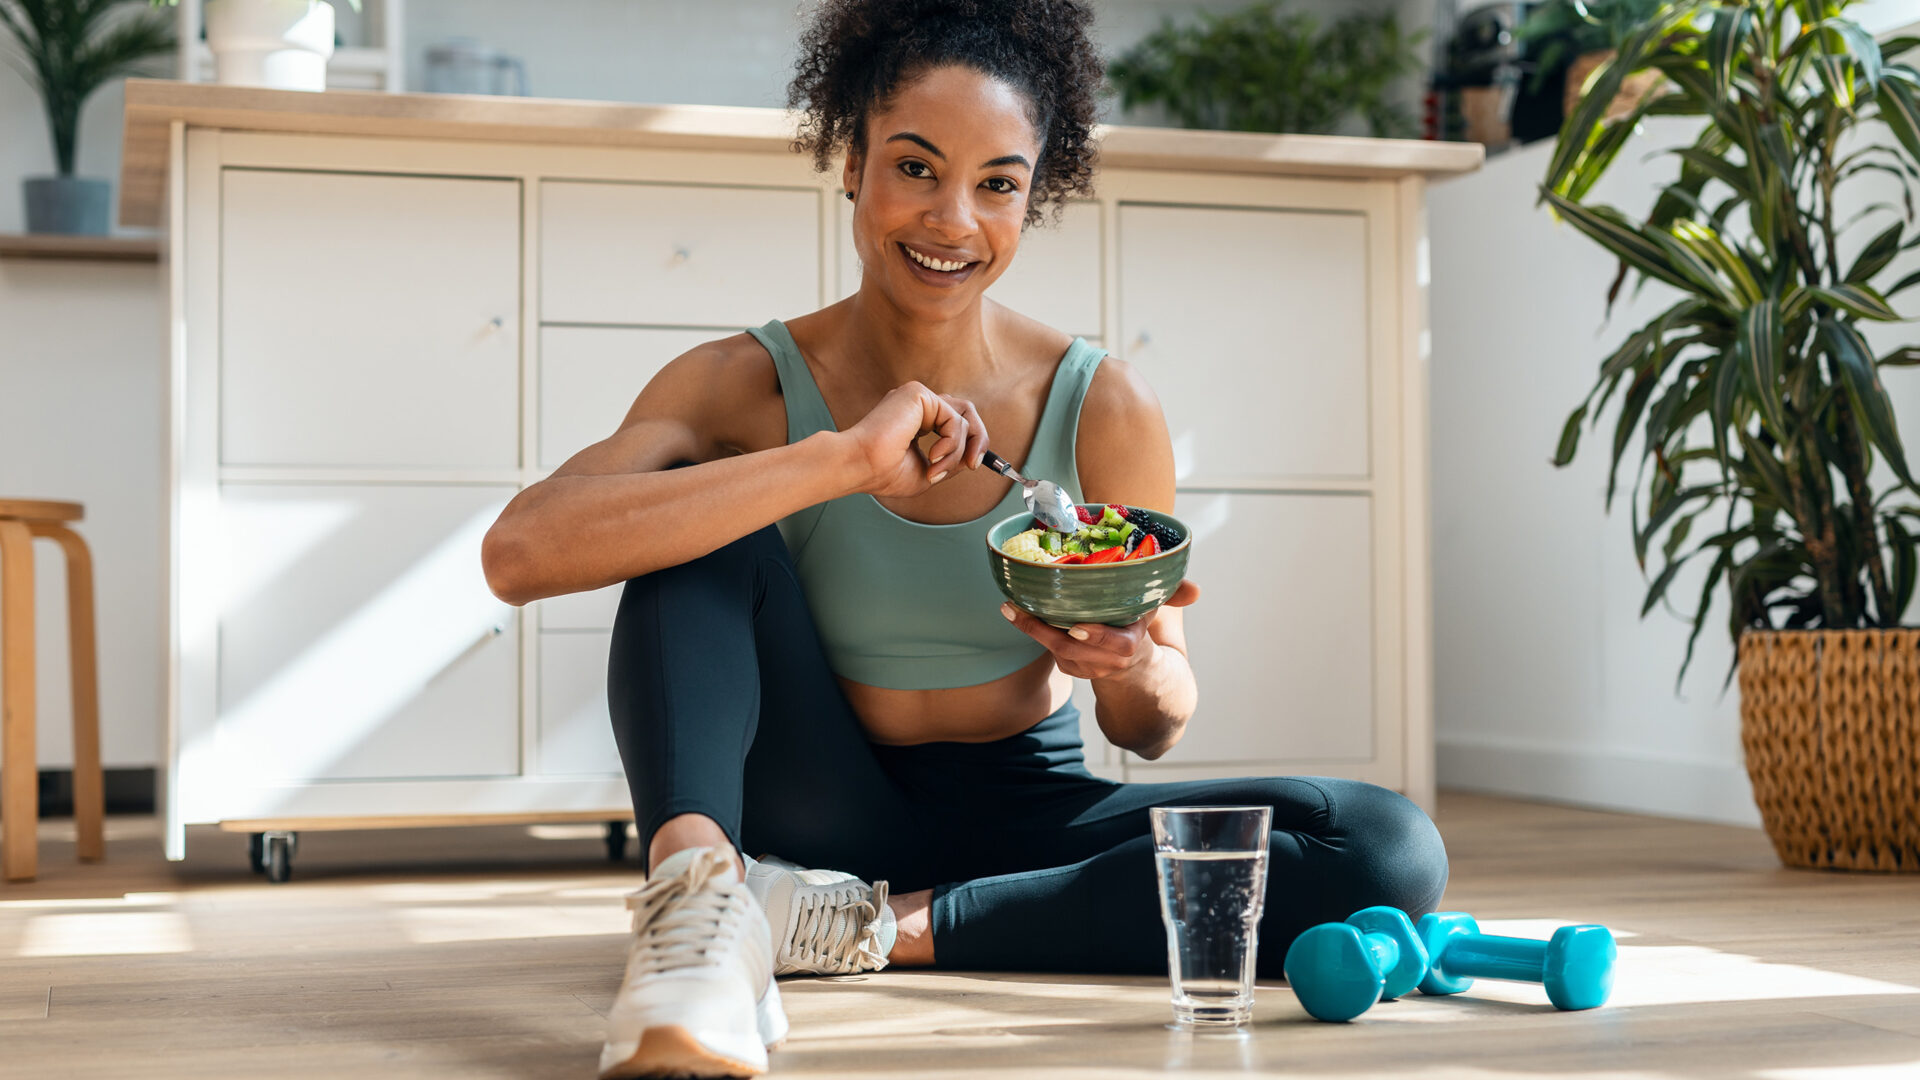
x: 850, y: 171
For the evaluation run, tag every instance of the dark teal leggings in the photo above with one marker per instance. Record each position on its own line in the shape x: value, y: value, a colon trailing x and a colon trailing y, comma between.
x: 723, y: 705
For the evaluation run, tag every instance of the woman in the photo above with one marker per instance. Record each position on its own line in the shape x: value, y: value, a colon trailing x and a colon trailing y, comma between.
x: 810, y: 659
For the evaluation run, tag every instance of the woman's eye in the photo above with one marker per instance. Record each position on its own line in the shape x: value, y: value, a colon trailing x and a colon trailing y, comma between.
x: 916, y: 169
x: 1000, y: 185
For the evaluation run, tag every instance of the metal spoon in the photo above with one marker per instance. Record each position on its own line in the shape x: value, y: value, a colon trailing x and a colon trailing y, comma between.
x: 1046, y: 500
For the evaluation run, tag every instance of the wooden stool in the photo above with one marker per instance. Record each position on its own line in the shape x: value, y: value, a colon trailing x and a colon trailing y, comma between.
x: 20, y: 521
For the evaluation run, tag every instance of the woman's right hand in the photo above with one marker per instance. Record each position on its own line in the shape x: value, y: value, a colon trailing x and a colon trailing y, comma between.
x: 888, y: 439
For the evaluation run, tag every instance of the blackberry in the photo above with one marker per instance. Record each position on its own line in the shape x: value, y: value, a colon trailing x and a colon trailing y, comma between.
x: 1166, y: 536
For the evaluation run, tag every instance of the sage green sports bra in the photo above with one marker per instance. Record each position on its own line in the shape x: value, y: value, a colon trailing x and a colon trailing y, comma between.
x: 903, y: 605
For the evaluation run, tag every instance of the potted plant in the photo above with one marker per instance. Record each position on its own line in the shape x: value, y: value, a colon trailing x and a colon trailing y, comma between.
x: 1765, y: 424
x: 67, y: 50
x: 1572, y: 38
x: 282, y: 44
x: 1260, y: 70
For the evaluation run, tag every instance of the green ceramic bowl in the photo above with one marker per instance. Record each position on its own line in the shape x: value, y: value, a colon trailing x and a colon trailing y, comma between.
x: 1118, y: 593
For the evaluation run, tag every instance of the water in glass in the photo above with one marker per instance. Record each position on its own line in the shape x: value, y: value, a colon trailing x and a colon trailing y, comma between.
x: 1213, y: 872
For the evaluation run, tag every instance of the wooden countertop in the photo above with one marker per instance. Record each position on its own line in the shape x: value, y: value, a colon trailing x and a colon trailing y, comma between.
x: 152, y: 105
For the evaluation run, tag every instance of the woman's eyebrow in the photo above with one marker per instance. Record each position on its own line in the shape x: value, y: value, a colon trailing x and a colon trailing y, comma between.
x: 1005, y: 159
x: 909, y: 136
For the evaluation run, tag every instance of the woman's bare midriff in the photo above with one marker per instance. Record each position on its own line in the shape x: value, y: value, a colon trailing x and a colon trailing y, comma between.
x: 1004, y: 707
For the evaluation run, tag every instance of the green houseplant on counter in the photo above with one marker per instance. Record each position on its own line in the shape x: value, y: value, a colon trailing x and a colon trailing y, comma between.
x: 1261, y: 70
x: 1759, y: 402
x: 68, y: 49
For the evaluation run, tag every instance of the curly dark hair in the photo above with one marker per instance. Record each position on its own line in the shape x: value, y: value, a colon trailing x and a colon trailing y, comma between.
x: 855, y: 53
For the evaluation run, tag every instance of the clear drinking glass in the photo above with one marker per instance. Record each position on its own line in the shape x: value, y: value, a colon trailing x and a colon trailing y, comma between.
x: 1212, y: 862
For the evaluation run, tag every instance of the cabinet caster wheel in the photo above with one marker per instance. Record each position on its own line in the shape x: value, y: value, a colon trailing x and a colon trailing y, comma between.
x: 278, y: 857
x: 257, y: 852
x: 616, y: 841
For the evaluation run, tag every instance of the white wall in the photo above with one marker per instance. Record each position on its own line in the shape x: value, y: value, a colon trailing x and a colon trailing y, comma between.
x: 82, y: 370
x: 1548, y: 684
x: 735, y: 53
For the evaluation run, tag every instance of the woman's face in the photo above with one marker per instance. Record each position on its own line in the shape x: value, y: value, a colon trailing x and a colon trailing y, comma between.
x: 940, y: 190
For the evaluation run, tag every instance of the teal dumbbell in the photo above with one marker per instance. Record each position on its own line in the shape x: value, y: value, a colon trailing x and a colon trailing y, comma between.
x: 1575, y: 965
x: 1338, y: 970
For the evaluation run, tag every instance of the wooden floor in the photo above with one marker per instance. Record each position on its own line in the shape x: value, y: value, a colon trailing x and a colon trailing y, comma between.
x: 494, y: 953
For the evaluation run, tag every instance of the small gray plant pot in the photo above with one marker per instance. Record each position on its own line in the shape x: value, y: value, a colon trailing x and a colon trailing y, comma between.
x: 68, y: 204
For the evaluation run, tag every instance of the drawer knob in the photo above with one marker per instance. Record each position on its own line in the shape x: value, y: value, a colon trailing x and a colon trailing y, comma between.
x: 486, y: 635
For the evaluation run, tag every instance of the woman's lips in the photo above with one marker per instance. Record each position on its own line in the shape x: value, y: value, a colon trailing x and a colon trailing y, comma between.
x: 932, y: 276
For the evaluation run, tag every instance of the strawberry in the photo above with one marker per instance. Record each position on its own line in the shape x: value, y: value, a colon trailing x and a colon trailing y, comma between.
x: 1112, y: 554
x: 1069, y: 560
x: 1148, y: 548
x: 1087, y: 516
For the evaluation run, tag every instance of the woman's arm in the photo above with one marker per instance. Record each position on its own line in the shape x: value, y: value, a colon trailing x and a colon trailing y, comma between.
x: 1142, y: 684
x: 616, y: 510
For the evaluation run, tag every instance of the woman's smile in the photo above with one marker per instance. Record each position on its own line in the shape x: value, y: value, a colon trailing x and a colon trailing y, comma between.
x: 934, y: 270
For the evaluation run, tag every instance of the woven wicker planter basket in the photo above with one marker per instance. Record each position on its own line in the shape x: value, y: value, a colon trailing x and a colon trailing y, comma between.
x: 1830, y: 720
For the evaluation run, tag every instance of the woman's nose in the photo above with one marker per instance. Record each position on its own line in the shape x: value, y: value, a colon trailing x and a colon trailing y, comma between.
x: 952, y: 214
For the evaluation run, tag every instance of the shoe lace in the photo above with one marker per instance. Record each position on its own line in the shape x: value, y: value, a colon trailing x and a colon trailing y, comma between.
x: 836, y: 929
x: 685, y: 920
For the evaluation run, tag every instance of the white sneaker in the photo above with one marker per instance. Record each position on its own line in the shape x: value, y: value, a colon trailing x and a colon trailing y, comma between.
x: 824, y: 922
x: 698, y: 998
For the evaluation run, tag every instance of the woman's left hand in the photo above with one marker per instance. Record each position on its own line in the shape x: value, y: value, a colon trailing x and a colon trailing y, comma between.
x: 1096, y: 650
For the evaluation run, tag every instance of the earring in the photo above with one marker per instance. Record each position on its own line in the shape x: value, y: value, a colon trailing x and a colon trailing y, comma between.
x: 849, y: 196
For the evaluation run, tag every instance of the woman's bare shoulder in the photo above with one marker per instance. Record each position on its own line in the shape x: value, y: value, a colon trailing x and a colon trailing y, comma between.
x: 1125, y: 452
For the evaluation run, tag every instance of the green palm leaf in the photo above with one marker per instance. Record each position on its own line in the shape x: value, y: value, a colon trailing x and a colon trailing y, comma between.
x: 1612, y: 231
x: 1870, y: 401
x: 73, y: 47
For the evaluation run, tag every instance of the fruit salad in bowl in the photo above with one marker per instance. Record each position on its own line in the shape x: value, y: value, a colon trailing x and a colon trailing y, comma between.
x: 1109, y: 533
x: 1119, y: 566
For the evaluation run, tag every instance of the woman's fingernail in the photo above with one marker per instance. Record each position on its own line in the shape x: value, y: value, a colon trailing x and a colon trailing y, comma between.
x: 937, y: 477
x: 1007, y: 610
x: 1077, y: 634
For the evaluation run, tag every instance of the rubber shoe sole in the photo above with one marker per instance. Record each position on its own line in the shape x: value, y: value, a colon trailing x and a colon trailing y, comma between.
x: 673, y: 1050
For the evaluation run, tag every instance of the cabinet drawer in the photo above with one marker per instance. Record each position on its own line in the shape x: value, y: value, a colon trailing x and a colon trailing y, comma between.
x: 1056, y: 275
x: 369, y: 320
x: 576, y: 736
x: 1253, y: 326
x: 677, y: 255
x: 589, y: 376
x: 1282, y: 640
x: 358, y: 640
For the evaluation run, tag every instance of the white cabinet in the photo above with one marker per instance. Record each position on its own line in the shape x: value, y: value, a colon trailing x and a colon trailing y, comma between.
x: 1253, y: 327
x: 575, y: 730
x: 1283, y: 641
x: 677, y: 254
x: 368, y: 321
x: 358, y: 639
x: 589, y: 377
